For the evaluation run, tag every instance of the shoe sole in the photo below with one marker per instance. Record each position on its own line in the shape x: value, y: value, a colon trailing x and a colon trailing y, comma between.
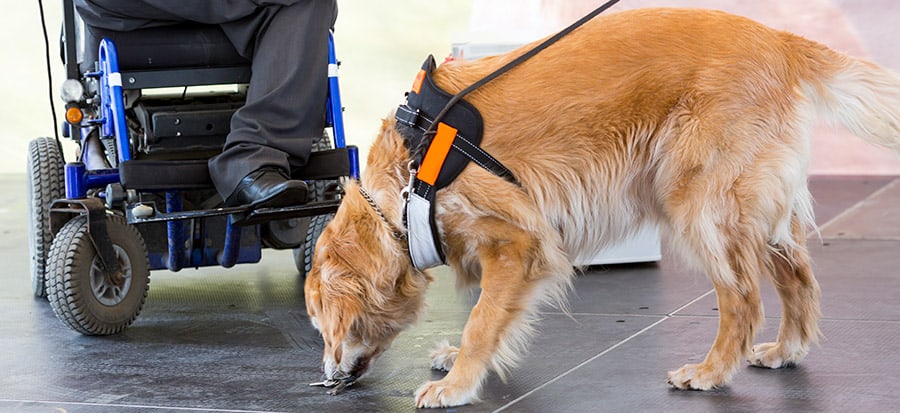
x: 285, y: 198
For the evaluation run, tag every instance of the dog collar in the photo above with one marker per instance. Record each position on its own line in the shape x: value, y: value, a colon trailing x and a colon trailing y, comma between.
x: 437, y: 161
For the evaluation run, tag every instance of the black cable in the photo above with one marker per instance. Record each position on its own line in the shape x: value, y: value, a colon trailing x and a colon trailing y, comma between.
x: 50, y: 82
x: 429, y: 134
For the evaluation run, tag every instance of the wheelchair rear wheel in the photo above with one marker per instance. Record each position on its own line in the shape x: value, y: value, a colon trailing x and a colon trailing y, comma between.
x: 46, y: 182
x: 81, y: 294
x: 320, y: 190
x: 303, y: 256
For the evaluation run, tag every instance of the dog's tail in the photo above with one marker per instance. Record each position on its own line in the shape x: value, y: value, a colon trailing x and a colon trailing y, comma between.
x: 858, y: 94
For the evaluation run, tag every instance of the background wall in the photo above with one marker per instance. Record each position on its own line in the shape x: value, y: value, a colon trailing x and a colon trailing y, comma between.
x: 864, y: 28
x: 382, y: 44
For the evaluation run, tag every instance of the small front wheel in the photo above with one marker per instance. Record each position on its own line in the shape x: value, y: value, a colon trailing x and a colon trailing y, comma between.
x: 81, y: 293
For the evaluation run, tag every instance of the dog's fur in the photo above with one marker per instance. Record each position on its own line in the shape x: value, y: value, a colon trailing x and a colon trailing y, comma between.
x: 696, y: 121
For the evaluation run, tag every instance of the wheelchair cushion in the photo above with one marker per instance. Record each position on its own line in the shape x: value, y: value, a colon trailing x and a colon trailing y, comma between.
x: 166, y: 47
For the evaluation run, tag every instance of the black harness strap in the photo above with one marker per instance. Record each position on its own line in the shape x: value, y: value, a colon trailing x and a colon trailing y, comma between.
x: 419, y: 152
x: 414, y: 124
x: 416, y: 117
x: 442, y: 133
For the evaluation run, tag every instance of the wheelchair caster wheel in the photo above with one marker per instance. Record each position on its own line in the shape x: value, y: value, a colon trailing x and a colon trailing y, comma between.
x: 46, y: 182
x: 81, y: 294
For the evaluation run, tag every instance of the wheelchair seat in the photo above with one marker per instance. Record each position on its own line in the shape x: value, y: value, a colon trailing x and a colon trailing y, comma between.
x: 169, y: 47
x: 187, y: 54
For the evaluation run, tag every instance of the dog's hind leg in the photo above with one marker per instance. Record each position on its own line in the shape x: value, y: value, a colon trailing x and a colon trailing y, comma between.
x: 740, y: 314
x: 799, y: 293
x: 732, y: 249
x: 513, y: 280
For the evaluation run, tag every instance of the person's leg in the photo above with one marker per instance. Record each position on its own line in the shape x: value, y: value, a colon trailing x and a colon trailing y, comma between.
x: 285, y: 107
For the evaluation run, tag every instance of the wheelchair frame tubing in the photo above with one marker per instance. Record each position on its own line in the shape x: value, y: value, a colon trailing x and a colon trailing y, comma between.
x: 112, y: 123
x: 335, y: 111
x: 113, y: 105
x: 175, y: 233
x: 334, y: 108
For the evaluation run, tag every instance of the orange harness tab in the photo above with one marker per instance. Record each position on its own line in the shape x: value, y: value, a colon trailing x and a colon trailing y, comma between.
x: 437, y: 153
x: 417, y: 84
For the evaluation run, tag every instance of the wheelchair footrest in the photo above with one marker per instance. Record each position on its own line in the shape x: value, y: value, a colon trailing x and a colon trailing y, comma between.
x: 242, y: 215
x: 259, y: 216
x: 164, y: 175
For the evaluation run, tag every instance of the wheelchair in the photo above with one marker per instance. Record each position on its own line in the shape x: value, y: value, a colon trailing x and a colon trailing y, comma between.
x: 138, y: 197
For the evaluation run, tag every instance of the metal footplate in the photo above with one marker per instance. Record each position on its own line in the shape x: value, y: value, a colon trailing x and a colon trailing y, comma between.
x: 147, y: 212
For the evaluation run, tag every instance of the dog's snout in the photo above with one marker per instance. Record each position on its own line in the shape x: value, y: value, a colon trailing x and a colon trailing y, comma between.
x: 360, y: 366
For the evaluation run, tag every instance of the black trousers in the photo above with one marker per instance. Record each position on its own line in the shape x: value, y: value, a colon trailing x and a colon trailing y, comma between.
x: 287, y: 42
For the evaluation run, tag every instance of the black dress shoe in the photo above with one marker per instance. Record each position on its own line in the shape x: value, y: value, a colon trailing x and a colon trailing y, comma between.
x: 268, y: 188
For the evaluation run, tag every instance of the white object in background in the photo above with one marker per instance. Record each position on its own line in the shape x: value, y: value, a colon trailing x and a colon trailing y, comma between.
x: 643, y: 246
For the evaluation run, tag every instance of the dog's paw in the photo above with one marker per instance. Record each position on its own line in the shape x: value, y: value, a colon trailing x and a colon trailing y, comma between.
x: 774, y: 355
x: 696, y: 377
x: 443, y: 394
x: 443, y: 356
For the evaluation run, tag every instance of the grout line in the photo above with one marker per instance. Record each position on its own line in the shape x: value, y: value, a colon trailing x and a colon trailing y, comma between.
x: 854, y: 207
x: 702, y: 296
x: 602, y: 353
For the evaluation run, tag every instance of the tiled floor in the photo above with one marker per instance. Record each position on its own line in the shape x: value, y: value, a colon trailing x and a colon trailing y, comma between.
x: 238, y: 340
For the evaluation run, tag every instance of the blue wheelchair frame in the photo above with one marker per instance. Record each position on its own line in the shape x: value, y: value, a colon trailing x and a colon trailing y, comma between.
x: 112, y: 122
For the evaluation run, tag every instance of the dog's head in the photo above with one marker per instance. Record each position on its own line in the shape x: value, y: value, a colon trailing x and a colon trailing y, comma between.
x: 362, y: 290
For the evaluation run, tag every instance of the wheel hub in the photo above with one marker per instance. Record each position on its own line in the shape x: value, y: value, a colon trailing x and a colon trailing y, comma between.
x: 111, y: 289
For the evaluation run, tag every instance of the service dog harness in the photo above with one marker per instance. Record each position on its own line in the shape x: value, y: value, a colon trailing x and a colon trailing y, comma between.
x: 438, y: 159
x: 442, y: 133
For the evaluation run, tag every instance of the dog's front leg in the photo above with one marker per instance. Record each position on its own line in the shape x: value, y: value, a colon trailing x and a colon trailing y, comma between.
x: 494, y: 326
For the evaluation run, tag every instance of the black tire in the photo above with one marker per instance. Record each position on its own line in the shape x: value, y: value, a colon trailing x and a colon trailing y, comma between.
x: 303, y: 255
x: 46, y: 183
x: 320, y: 190
x: 80, y: 294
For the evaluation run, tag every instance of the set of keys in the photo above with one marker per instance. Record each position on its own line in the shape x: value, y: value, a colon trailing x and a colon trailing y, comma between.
x: 335, y: 385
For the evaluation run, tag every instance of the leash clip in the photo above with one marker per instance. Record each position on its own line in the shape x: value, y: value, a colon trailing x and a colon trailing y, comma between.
x: 413, y: 169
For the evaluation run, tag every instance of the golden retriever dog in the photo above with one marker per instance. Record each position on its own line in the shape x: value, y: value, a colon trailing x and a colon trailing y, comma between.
x: 696, y: 121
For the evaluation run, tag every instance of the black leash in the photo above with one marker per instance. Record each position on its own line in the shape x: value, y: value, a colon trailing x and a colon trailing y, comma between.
x: 432, y: 130
x: 50, y: 82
